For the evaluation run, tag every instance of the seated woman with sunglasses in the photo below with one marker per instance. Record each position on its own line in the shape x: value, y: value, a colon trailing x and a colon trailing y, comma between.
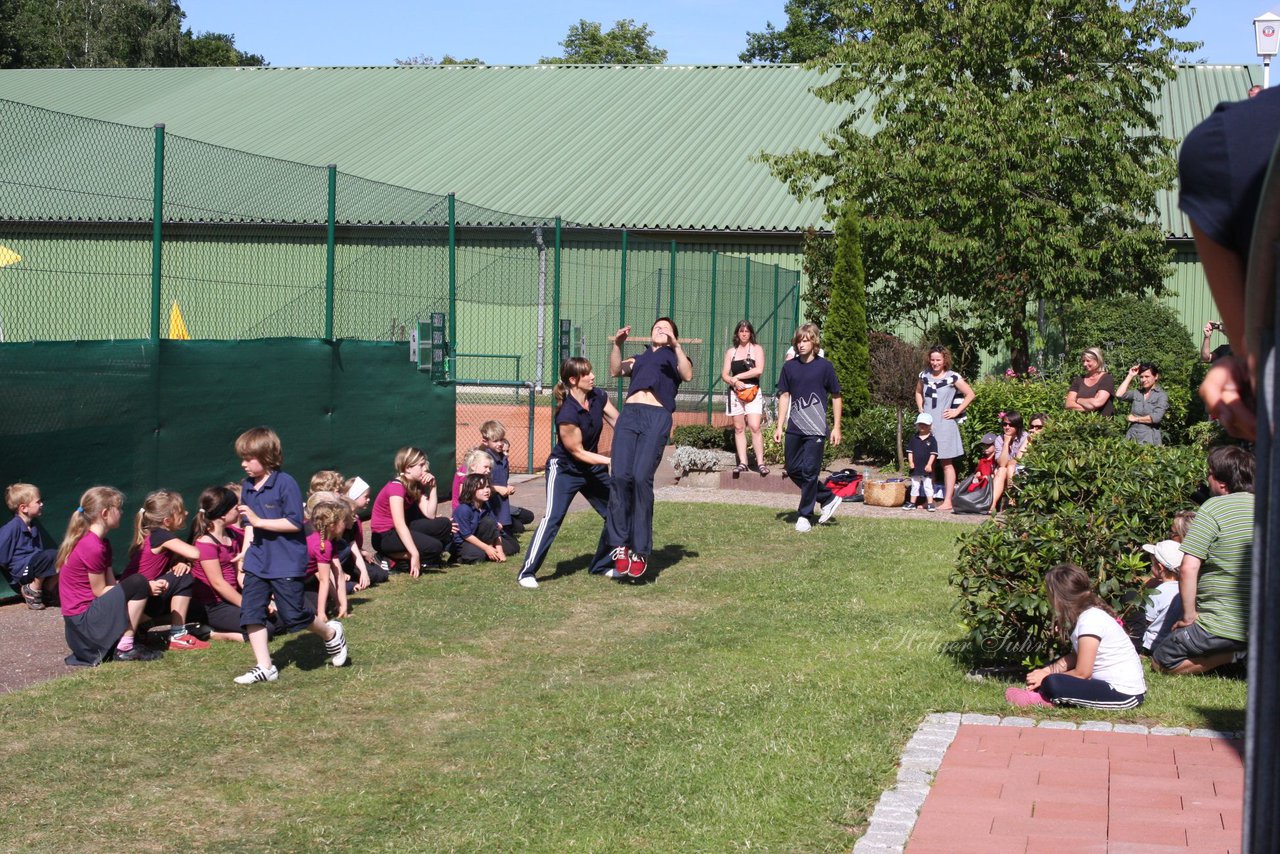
x: 1011, y: 444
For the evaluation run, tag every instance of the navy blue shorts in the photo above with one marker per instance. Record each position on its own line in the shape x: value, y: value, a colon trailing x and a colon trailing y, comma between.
x: 291, y: 606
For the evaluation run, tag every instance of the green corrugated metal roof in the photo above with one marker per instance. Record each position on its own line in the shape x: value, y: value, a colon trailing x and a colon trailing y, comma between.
x: 667, y: 147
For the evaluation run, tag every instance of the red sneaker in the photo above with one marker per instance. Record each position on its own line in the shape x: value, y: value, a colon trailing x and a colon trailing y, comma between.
x: 621, y: 560
x: 638, y: 565
x: 187, y: 641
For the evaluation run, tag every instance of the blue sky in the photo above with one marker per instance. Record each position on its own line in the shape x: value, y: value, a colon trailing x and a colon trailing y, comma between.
x: 500, y: 32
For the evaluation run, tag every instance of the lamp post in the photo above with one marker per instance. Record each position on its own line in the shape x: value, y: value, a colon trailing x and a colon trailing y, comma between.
x: 1266, y: 34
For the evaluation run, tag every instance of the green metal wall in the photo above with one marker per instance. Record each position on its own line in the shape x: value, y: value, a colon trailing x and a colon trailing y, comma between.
x: 138, y: 416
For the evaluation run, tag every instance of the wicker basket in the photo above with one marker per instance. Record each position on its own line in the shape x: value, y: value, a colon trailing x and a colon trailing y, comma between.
x: 884, y: 493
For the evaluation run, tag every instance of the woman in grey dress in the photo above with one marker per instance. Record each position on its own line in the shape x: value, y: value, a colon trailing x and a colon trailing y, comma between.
x: 1149, y: 403
x: 936, y: 390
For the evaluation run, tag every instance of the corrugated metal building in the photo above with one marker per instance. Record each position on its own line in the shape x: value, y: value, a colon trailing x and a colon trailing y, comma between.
x: 673, y: 150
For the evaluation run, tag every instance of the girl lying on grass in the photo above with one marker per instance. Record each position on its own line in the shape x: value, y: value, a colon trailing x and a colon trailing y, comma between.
x: 1102, y: 671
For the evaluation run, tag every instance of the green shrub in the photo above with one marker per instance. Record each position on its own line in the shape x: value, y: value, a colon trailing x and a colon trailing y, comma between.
x: 703, y: 436
x: 1088, y: 497
x: 1131, y: 330
x: 873, y: 433
x: 994, y: 395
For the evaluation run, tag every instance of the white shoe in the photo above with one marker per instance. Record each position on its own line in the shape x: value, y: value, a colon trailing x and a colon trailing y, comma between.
x: 830, y: 509
x: 611, y: 573
x: 528, y: 581
x: 258, y: 674
x: 802, y: 525
x: 336, y: 646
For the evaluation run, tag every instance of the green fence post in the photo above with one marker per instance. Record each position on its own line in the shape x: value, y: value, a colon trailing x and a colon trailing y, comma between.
x: 671, y: 285
x: 777, y: 314
x: 622, y: 302
x: 529, y: 438
x: 711, y: 339
x: 796, y: 310
x: 746, y: 310
x: 328, y: 252
x: 555, y: 329
x: 157, y: 221
x: 453, y: 285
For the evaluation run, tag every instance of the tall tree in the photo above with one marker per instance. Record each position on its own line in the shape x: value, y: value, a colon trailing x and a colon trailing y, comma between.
x: 844, y: 333
x: 424, y: 59
x: 1015, y: 156
x: 625, y: 44
x: 215, y: 49
x: 813, y: 29
x: 108, y: 34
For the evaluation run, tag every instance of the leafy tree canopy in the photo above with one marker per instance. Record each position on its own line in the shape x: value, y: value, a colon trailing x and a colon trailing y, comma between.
x: 1015, y: 157
x: 813, y: 29
x: 108, y: 34
x: 424, y: 59
x: 625, y: 44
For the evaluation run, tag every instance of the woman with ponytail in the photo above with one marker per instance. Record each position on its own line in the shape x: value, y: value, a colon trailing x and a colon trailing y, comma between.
x: 100, y: 616
x: 575, y: 466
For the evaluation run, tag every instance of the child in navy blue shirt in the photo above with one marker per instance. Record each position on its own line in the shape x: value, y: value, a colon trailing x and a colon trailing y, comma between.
x: 275, y: 562
x: 22, y: 552
x: 513, y: 519
x: 477, y: 537
x: 803, y: 388
x: 922, y: 453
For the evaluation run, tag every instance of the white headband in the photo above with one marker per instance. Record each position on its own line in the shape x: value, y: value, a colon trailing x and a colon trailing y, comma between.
x: 358, y: 487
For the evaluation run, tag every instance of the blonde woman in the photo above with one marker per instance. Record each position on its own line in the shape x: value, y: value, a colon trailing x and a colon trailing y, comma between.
x: 1095, y: 391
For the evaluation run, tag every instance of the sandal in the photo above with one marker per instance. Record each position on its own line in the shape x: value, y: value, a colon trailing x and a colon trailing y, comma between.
x: 739, y: 469
x: 34, y: 598
x: 764, y: 470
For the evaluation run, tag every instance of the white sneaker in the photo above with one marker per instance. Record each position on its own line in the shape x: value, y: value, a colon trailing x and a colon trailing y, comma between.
x: 802, y: 525
x: 611, y: 573
x: 257, y: 674
x: 528, y: 581
x: 830, y: 509
x: 336, y: 646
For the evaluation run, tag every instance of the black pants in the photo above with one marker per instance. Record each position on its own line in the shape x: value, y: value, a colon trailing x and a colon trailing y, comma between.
x: 429, y: 536
x: 804, y: 462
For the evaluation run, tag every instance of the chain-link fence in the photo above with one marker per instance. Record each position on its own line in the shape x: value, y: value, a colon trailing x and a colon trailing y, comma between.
x: 116, y: 232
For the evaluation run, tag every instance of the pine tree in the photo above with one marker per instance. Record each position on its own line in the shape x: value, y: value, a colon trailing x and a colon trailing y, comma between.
x: 844, y: 335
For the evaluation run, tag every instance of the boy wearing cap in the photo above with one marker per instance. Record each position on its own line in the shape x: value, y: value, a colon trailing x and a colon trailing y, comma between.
x: 1164, y: 604
x: 922, y: 453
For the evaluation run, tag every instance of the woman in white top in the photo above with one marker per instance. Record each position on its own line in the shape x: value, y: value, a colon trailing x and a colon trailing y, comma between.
x: 1103, y: 670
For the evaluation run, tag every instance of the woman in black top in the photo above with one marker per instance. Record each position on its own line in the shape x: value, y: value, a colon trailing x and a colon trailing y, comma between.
x: 575, y: 465
x: 743, y: 367
x: 639, y: 437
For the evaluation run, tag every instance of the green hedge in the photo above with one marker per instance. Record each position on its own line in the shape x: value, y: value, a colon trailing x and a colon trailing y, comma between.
x: 1087, y: 496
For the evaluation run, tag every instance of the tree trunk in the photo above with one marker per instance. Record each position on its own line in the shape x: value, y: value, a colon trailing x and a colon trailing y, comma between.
x: 901, y: 456
x: 1020, y: 344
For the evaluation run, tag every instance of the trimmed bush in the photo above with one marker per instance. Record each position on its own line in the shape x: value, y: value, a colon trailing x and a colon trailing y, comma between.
x: 704, y: 436
x: 994, y: 395
x: 1089, y: 497
x: 1131, y: 330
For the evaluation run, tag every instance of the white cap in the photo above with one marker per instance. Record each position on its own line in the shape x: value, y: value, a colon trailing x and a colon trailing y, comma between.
x: 924, y: 418
x: 1168, y: 552
x: 358, y: 487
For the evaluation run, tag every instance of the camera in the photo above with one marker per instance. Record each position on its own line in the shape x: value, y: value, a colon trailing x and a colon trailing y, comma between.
x: 1215, y: 324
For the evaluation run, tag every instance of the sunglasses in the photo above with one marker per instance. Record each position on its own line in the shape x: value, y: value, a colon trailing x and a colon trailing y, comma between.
x: 1037, y: 426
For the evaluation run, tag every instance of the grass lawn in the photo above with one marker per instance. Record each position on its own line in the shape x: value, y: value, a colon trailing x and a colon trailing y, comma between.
x: 756, y: 697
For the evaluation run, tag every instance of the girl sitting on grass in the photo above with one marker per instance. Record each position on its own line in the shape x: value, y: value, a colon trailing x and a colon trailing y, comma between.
x: 1102, y: 671
x: 160, y: 554
x: 100, y: 615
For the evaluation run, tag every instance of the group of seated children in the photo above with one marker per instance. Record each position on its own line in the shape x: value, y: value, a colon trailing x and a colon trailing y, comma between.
x: 1193, y: 610
x: 256, y: 560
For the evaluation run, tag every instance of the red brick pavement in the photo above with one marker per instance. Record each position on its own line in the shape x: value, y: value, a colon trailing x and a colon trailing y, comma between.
x: 1032, y: 790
